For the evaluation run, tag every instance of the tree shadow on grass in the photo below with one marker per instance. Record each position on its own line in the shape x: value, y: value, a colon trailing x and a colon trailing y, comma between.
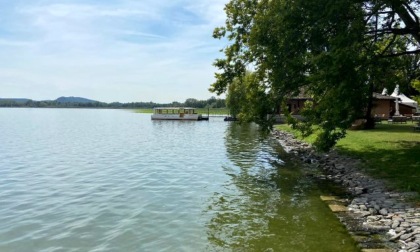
x: 400, y: 127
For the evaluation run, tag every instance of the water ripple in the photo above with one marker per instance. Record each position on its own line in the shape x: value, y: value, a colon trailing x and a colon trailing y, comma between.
x: 110, y: 180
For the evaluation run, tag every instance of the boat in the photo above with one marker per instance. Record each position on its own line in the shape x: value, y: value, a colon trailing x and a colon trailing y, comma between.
x: 230, y: 119
x: 177, y: 113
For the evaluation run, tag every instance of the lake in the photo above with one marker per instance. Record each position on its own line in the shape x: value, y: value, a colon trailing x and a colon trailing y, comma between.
x: 113, y: 180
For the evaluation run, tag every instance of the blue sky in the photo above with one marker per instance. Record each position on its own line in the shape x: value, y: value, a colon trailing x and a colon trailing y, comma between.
x: 109, y: 50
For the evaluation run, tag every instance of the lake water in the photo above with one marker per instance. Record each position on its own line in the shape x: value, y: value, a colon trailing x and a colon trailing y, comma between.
x: 113, y: 180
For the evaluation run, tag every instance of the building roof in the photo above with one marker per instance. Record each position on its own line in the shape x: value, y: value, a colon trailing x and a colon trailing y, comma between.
x: 382, y: 97
x: 406, y: 100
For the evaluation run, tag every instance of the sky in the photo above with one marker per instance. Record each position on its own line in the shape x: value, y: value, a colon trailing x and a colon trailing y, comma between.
x: 109, y: 50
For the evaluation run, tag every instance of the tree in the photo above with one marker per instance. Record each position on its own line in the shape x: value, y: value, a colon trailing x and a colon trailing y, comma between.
x: 236, y: 97
x: 333, y: 50
x: 416, y: 85
x: 243, y: 99
x: 412, y: 73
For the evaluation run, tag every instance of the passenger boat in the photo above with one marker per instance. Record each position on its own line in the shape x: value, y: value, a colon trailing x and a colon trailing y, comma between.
x: 171, y: 113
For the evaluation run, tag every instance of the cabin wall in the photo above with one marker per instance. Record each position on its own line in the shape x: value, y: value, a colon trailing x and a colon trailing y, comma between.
x: 406, y: 110
x: 383, y: 108
x: 386, y: 108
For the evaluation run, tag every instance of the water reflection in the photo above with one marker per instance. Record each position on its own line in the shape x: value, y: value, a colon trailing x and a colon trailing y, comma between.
x: 267, y: 204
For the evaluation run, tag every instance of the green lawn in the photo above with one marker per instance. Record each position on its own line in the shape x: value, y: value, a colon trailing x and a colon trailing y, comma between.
x: 203, y: 111
x: 391, y: 152
x: 145, y: 111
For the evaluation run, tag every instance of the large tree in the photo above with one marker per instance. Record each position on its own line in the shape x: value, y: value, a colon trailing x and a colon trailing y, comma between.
x: 335, y: 51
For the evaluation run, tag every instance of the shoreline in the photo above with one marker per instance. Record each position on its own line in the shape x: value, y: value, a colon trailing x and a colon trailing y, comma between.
x: 376, y: 217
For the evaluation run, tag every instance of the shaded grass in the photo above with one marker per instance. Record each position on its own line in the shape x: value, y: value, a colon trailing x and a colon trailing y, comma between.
x: 203, y: 111
x: 390, y: 152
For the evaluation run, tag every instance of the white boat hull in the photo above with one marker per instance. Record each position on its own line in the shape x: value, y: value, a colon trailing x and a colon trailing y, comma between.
x: 193, y: 117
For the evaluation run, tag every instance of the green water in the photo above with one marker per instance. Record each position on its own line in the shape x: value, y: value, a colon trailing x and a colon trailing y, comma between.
x: 275, y: 207
x: 112, y: 180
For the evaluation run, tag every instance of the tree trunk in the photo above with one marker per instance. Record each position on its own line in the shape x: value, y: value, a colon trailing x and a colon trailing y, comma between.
x: 370, y: 121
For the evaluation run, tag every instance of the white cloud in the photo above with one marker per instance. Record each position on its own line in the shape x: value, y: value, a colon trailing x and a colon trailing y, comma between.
x: 131, y: 51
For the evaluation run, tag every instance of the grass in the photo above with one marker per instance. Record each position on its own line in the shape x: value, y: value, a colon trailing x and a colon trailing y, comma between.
x: 203, y: 111
x: 145, y: 111
x: 390, y: 152
x: 213, y: 111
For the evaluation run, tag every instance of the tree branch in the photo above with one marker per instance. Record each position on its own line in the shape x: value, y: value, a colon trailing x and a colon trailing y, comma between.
x: 413, y: 13
x: 409, y: 21
x: 402, y: 31
x: 401, y: 54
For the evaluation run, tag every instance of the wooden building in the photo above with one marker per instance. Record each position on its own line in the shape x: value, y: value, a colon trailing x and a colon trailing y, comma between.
x: 384, y: 106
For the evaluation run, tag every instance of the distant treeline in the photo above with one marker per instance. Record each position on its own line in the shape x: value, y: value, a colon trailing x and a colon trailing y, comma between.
x: 190, y: 102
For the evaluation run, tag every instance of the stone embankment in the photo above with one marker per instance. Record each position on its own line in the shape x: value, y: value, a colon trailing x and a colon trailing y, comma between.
x: 371, y: 207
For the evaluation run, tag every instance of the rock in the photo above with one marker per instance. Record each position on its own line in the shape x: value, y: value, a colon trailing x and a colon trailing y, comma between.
x: 364, y: 213
x: 391, y: 232
x: 373, y: 218
x: 397, y: 218
x: 376, y: 225
x: 411, y: 245
x: 373, y: 211
x: 359, y: 190
x: 395, y: 224
x: 397, y: 236
x: 383, y: 211
x: 406, y: 236
x: 405, y: 224
x: 386, y: 223
x: 337, y: 208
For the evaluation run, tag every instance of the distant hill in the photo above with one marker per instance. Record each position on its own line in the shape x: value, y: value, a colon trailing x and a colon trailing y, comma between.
x: 16, y: 100
x: 72, y: 99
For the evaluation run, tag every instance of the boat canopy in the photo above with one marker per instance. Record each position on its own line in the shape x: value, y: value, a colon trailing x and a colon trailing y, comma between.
x: 174, y: 110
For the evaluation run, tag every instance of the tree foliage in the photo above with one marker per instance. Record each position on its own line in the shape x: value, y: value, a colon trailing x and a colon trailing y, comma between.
x: 334, y: 51
x: 416, y: 85
x: 212, y: 102
x: 243, y: 99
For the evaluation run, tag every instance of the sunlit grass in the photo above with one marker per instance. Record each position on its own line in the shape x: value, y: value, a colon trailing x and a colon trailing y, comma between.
x: 145, y: 111
x: 390, y: 152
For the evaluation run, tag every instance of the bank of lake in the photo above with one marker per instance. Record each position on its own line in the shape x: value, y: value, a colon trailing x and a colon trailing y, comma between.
x: 381, y: 211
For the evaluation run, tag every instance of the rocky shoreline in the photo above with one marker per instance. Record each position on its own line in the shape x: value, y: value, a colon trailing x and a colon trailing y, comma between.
x: 371, y: 209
